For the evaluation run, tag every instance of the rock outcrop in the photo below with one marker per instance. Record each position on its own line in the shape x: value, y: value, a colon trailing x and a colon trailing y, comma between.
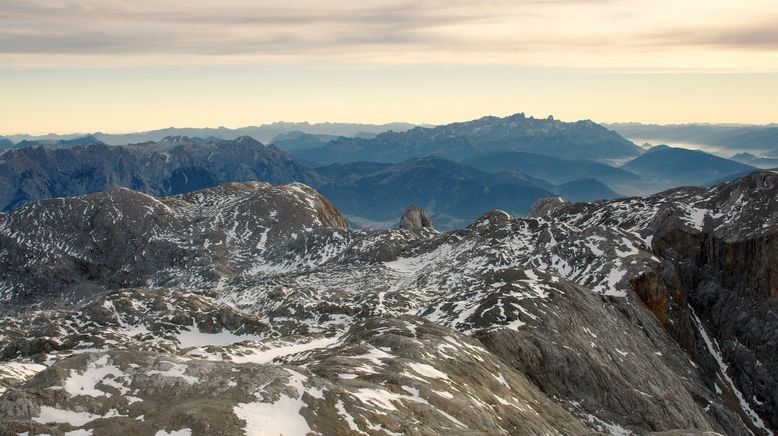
x: 415, y: 218
x: 546, y: 206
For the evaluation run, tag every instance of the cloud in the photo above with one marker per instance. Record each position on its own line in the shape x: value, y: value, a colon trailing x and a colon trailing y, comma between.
x: 578, y: 33
x: 762, y: 37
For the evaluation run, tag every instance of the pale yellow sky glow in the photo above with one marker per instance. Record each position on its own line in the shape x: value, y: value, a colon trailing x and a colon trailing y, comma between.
x: 112, y: 65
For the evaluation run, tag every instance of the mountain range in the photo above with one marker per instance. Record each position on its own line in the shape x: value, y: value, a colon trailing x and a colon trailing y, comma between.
x: 665, y: 167
x: 252, y: 308
x: 453, y: 194
x: 458, y: 141
x: 171, y: 166
x: 557, y: 170
x: 298, y: 140
x: 761, y: 139
x: 264, y: 133
x: 370, y: 193
x: 757, y: 161
x: 547, y: 149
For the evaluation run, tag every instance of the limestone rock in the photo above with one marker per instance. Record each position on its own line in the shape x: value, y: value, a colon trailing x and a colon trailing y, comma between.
x: 415, y: 218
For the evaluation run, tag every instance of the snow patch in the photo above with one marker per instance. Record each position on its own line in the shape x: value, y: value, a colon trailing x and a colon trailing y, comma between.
x: 427, y: 371
x: 281, y: 417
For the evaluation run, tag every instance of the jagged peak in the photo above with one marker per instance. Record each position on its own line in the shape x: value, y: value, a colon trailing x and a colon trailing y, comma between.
x: 176, y: 139
x: 246, y: 140
x: 415, y: 218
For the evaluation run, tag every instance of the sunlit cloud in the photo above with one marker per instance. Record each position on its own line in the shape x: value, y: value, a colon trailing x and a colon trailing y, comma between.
x: 619, y: 34
x: 116, y: 65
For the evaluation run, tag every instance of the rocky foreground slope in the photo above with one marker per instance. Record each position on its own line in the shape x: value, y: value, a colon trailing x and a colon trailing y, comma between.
x: 254, y: 309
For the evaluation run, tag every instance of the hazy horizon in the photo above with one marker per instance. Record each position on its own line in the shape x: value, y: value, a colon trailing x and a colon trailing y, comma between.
x: 419, y: 124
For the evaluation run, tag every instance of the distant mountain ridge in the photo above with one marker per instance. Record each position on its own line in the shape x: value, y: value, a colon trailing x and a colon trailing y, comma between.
x: 452, y: 194
x: 557, y: 171
x: 757, y: 161
x: 264, y: 133
x: 734, y: 137
x: 579, y: 140
x: 665, y: 167
x: 297, y: 140
x: 370, y: 193
x: 462, y: 168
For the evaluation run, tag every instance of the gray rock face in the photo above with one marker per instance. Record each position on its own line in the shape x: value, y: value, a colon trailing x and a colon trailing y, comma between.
x: 721, y: 242
x: 621, y: 317
x: 415, y: 218
x: 546, y: 206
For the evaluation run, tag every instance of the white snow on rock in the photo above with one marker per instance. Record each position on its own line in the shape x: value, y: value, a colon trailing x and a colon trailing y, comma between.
x: 341, y: 409
x: 174, y: 370
x: 50, y: 415
x: 180, y: 432
x: 267, y: 355
x: 281, y: 417
x: 427, y: 371
x: 21, y: 371
x: 193, y: 337
x: 713, y: 348
x: 99, y: 371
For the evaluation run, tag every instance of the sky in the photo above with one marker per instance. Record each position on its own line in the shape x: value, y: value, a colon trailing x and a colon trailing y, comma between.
x: 118, y: 66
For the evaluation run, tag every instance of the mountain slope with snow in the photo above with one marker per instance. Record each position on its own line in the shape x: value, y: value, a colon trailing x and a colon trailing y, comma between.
x: 252, y: 301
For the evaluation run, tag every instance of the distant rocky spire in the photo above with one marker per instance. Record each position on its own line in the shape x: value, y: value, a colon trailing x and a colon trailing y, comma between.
x: 415, y: 218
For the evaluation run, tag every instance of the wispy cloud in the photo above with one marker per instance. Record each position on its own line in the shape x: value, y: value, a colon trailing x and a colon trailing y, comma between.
x: 578, y: 33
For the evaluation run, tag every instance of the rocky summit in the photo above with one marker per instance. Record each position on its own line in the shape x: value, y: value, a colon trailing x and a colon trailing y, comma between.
x: 415, y: 218
x: 254, y: 309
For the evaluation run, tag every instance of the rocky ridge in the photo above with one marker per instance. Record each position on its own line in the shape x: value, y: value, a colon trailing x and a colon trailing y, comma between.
x: 622, y: 316
x: 173, y: 165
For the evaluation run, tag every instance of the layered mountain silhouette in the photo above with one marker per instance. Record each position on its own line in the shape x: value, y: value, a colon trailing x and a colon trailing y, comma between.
x: 264, y: 132
x: 451, y: 193
x: 370, y: 193
x: 757, y: 161
x: 297, y: 140
x: 664, y: 167
x: 492, y: 163
x: 754, y: 138
x: 578, y: 140
x: 557, y: 170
